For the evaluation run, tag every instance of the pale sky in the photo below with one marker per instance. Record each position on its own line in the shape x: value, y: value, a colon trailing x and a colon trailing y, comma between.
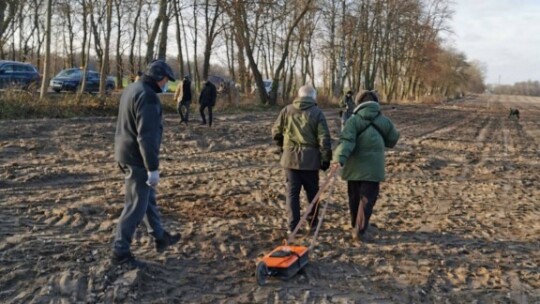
x: 502, y: 34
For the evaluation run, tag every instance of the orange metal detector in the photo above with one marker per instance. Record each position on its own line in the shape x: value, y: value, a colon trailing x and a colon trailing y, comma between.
x: 286, y: 260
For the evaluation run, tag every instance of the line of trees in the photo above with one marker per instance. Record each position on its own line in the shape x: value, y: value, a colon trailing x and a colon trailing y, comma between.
x: 525, y: 88
x: 392, y: 46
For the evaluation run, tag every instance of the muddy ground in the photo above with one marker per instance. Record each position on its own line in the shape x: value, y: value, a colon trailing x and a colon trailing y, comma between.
x: 457, y: 221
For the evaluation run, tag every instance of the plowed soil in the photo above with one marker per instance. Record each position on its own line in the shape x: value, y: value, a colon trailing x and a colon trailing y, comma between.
x: 457, y: 221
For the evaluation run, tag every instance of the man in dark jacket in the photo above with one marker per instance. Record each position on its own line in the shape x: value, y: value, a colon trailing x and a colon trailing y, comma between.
x: 185, y: 101
x: 361, y: 154
x: 136, y: 149
x: 207, y: 99
x: 302, y: 133
x: 348, y: 104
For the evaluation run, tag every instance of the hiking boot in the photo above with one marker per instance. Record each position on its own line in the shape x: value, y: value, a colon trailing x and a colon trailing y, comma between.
x: 166, y: 241
x: 127, y: 260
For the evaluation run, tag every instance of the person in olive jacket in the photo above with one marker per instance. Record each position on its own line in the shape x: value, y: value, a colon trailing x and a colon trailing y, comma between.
x: 360, y: 153
x: 303, y: 135
x: 136, y: 149
x: 348, y: 104
x: 207, y: 99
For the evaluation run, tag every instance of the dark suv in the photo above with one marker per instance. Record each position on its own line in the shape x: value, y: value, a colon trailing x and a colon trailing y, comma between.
x: 71, y: 79
x: 18, y: 75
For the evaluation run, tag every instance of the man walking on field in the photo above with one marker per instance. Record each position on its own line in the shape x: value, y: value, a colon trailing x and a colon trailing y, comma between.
x: 302, y: 133
x: 136, y: 149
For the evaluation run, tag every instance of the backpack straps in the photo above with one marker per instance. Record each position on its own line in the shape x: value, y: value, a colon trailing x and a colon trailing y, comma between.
x: 374, y: 125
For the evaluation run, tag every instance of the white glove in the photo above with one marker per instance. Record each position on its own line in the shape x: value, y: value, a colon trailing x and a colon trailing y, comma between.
x: 153, y: 178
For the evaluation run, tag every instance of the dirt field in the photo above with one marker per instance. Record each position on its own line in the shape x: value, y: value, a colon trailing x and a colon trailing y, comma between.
x: 457, y: 221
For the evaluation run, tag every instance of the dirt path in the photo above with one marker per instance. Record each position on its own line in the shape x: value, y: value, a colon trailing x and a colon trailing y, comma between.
x: 457, y: 220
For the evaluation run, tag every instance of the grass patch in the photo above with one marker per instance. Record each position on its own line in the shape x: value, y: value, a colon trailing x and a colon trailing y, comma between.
x: 23, y: 105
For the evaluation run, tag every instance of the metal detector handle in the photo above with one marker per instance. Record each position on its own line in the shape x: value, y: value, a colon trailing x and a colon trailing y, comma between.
x: 321, y: 217
x: 327, y: 182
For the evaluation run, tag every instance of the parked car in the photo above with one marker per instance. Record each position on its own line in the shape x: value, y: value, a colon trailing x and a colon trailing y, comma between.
x: 18, y: 75
x: 267, y: 86
x: 71, y: 79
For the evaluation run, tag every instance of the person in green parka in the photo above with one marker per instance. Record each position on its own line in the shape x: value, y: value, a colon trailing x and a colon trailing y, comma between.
x: 360, y: 153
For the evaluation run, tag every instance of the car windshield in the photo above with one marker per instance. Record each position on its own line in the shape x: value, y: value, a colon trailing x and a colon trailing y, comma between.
x: 70, y: 73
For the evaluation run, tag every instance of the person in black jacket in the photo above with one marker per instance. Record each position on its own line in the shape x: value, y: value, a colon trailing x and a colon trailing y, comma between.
x: 207, y: 99
x: 136, y: 149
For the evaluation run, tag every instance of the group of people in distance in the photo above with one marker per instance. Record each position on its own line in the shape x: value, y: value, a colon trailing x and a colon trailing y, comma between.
x: 207, y: 100
x: 300, y: 130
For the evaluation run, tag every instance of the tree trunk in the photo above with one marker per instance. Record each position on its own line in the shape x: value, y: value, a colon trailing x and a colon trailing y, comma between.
x: 133, y: 66
x: 179, y: 38
x: 105, y: 63
x: 47, y: 62
x: 162, y: 14
x: 162, y: 48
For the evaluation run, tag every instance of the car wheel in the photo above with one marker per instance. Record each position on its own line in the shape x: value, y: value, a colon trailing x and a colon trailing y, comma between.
x: 57, y: 90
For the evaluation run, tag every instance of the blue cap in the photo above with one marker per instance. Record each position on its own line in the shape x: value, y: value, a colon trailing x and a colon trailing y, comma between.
x: 158, y: 69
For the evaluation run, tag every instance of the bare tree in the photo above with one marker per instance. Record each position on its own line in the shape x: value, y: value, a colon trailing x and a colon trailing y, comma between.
x: 104, y: 71
x: 46, y: 64
x: 8, y: 11
x: 161, y: 17
x: 211, y: 32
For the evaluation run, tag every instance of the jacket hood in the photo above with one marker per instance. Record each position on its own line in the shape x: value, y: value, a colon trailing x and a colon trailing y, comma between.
x: 368, y: 110
x: 303, y: 103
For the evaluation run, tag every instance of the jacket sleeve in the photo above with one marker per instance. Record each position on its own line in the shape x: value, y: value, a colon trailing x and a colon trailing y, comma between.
x: 149, y: 128
x: 203, y: 96
x: 325, y: 143
x: 177, y: 94
x: 213, y: 96
x: 392, y: 135
x: 347, y: 142
x: 277, y: 128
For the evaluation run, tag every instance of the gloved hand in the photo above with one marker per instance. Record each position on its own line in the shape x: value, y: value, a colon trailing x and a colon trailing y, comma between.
x: 153, y: 178
x: 325, y: 165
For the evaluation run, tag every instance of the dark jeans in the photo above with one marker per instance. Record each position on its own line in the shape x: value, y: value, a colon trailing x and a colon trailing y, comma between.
x: 184, y: 106
x: 356, y: 191
x: 296, y: 179
x: 140, y: 205
x: 201, y: 110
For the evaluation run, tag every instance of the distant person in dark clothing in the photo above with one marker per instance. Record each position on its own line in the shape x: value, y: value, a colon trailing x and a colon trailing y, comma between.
x: 185, y: 101
x: 513, y: 113
x: 207, y: 99
x: 348, y: 104
x: 136, y: 149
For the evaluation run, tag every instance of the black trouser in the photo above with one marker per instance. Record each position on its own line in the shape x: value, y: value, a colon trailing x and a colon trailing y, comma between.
x: 201, y: 110
x: 296, y: 179
x: 356, y: 191
x: 184, y: 106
